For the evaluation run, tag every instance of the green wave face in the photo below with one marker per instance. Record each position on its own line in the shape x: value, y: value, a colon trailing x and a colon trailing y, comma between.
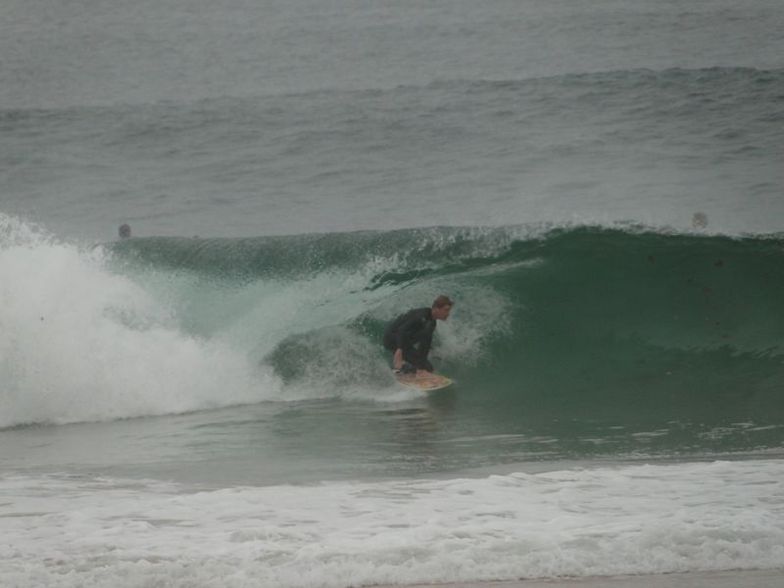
x: 644, y: 329
x: 591, y: 333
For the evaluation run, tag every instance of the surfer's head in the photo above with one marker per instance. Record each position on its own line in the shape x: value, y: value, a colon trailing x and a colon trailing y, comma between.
x: 441, y: 307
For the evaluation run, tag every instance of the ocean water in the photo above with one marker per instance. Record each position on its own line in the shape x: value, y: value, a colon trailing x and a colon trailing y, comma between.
x: 598, y: 184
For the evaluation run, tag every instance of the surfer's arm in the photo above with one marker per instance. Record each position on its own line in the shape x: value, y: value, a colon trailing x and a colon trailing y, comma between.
x: 409, y: 331
x: 397, y: 359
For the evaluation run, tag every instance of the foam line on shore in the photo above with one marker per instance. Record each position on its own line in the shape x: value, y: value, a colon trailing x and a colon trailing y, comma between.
x: 733, y: 579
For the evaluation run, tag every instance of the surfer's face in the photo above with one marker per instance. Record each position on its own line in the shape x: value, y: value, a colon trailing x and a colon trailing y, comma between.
x: 441, y: 313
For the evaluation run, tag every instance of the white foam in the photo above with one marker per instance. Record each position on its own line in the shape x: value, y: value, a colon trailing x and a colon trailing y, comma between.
x: 628, y: 520
x: 78, y: 342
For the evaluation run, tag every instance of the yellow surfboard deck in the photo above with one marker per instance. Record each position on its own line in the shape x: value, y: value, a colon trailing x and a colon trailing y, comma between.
x: 422, y: 380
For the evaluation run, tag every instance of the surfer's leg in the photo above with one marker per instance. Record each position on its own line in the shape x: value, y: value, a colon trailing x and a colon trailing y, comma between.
x: 389, y: 342
x: 415, y: 358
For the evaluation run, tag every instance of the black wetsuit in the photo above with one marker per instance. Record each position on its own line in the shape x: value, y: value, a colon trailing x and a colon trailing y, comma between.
x: 413, y: 333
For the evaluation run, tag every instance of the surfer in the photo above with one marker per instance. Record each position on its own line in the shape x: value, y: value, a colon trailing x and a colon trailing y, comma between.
x: 409, y: 336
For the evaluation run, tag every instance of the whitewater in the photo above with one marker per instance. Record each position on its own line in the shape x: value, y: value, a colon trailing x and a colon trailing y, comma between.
x: 606, y: 521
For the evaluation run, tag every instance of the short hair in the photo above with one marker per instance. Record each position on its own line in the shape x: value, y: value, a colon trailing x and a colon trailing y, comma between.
x: 442, y: 301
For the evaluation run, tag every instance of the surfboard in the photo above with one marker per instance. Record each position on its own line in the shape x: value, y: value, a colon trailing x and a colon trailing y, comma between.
x: 424, y: 381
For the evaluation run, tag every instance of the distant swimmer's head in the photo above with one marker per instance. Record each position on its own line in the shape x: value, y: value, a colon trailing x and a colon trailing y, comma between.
x: 441, y: 308
x: 699, y: 220
x: 125, y: 231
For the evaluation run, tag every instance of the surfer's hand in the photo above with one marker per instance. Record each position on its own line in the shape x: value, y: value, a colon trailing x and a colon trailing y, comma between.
x: 397, y: 360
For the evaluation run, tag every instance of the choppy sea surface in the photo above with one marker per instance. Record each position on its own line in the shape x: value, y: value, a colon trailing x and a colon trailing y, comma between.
x: 597, y: 184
